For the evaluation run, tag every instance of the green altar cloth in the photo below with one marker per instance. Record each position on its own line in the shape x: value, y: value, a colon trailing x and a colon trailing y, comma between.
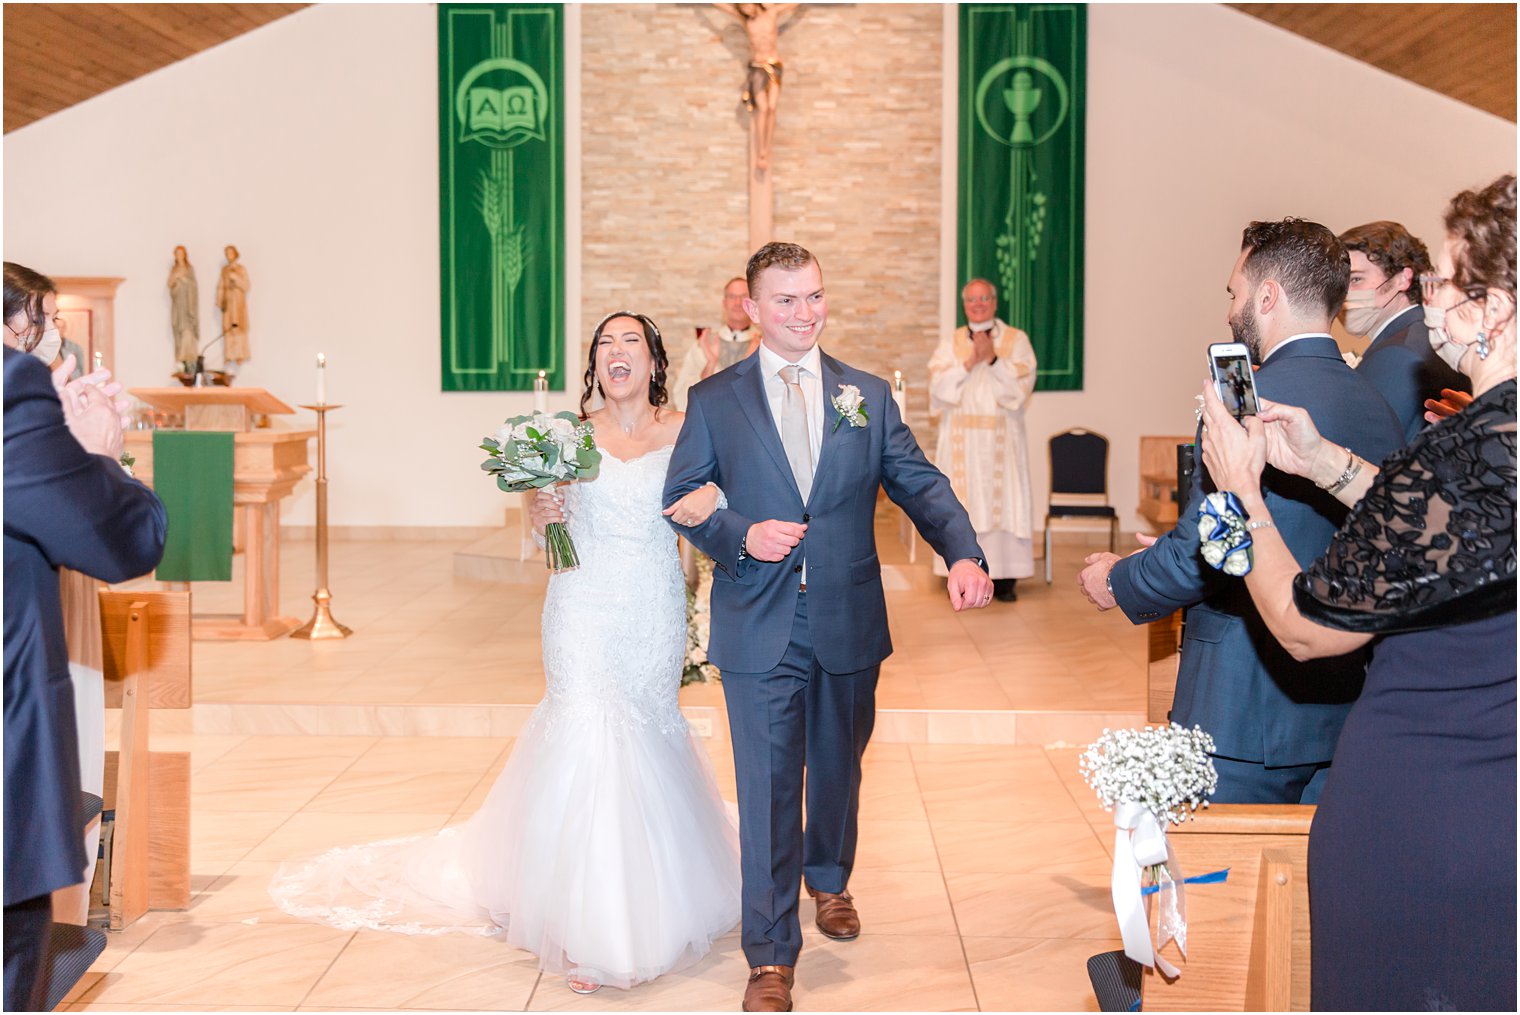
x: 192, y: 475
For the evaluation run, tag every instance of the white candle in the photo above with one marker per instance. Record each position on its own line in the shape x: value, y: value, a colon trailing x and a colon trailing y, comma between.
x: 541, y: 392
x: 899, y: 394
x: 321, y: 379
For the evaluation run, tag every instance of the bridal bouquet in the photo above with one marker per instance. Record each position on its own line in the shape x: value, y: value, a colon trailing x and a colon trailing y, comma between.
x: 1149, y: 778
x: 532, y: 452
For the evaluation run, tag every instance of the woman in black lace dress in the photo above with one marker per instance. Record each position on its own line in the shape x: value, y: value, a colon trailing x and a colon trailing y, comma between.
x: 1412, y: 852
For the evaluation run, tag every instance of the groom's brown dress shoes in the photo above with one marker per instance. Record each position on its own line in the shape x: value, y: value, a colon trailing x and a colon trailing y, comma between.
x: 837, y: 918
x: 770, y: 989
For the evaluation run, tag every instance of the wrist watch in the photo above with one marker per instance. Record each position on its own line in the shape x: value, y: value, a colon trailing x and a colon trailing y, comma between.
x: 743, y: 549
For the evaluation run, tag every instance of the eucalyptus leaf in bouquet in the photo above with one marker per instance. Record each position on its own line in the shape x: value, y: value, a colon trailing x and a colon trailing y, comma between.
x: 536, y: 451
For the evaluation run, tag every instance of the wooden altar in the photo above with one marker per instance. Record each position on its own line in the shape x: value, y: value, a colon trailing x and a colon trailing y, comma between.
x: 266, y: 465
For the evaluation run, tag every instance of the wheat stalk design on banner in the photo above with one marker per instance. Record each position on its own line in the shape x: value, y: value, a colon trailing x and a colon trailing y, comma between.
x: 508, y: 246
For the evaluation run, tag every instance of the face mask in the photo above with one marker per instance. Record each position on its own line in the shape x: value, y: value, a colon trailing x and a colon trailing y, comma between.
x: 1363, y: 312
x: 1440, y: 339
x: 47, y: 349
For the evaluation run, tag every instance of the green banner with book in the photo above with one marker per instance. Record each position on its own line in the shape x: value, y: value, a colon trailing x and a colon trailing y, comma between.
x: 501, y: 194
x: 1022, y: 151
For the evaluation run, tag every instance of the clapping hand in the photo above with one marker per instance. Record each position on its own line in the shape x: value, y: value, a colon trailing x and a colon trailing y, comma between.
x: 981, y: 349
x: 1449, y: 404
x: 100, y: 378
x: 1093, y: 579
x: 93, y: 418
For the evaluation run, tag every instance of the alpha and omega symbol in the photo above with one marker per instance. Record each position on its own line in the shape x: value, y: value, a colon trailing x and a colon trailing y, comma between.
x: 501, y: 103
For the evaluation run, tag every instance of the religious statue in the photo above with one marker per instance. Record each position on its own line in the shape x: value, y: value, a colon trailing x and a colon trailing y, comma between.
x: 184, y: 310
x: 762, y: 84
x: 232, y: 300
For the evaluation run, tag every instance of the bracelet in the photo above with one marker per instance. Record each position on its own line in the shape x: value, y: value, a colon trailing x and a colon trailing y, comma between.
x: 1353, y: 469
x: 1265, y: 523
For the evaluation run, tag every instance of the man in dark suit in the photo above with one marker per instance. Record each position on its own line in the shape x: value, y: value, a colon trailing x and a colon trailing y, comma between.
x: 68, y: 503
x: 1274, y: 721
x: 1384, y: 302
x: 800, y: 443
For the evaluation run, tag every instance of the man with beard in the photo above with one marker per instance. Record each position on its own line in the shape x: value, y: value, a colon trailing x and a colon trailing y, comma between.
x: 1274, y: 720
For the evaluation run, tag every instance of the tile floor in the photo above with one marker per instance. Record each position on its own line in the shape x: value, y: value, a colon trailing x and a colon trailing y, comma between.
x: 983, y: 865
x: 982, y: 883
x: 424, y: 636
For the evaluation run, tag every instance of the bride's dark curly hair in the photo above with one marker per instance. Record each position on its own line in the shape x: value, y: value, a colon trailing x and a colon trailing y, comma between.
x: 658, y: 396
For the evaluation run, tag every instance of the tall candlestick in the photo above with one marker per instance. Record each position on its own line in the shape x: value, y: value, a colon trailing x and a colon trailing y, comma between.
x: 321, y: 378
x: 899, y: 393
x: 322, y: 626
x: 541, y: 392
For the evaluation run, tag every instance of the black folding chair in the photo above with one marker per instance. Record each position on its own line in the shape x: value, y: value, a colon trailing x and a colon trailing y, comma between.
x: 1079, y: 484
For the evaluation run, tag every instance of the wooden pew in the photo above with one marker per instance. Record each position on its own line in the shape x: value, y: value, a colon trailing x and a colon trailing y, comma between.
x: 145, y: 647
x: 1248, y: 938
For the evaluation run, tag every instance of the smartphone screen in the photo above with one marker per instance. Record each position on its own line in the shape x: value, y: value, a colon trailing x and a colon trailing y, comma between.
x: 1235, y: 383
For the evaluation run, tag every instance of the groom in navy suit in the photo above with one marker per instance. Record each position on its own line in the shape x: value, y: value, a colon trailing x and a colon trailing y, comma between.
x: 800, y: 443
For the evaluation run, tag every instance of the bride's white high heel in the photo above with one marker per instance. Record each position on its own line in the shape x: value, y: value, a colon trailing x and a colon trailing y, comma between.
x: 583, y: 981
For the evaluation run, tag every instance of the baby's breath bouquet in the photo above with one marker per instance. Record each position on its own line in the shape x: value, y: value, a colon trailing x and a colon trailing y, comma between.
x: 1165, y: 769
x: 532, y: 452
x: 1150, y: 778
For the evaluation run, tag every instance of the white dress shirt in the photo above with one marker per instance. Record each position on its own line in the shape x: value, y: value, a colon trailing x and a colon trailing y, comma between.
x: 810, y: 379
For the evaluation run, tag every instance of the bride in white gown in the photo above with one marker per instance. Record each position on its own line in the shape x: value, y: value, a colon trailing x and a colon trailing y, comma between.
x: 604, y: 846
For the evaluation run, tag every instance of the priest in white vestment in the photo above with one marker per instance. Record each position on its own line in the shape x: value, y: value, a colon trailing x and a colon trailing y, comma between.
x: 980, y: 380
x: 718, y: 348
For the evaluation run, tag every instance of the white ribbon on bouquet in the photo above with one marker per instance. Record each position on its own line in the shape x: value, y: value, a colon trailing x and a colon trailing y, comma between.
x: 1139, y: 842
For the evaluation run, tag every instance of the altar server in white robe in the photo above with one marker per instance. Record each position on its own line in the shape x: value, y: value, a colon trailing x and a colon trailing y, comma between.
x: 980, y: 381
x: 718, y: 348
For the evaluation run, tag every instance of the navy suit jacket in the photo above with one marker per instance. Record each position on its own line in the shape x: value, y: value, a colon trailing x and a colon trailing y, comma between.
x: 63, y: 508
x: 1404, y: 368
x: 1233, y: 678
x: 729, y: 438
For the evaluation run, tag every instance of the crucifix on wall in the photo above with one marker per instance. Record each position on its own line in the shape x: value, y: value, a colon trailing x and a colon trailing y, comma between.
x: 762, y: 94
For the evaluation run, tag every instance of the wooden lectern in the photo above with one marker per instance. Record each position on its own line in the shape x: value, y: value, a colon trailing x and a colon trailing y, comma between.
x: 266, y: 465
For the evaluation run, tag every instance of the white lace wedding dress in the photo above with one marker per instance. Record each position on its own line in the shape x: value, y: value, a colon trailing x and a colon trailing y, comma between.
x: 604, y: 846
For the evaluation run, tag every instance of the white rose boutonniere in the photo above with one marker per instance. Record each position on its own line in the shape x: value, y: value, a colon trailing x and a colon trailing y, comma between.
x: 850, y: 405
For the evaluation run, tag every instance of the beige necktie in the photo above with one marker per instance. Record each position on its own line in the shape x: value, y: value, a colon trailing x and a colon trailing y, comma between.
x: 794, y: 430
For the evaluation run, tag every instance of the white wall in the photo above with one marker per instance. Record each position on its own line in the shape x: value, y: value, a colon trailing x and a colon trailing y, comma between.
x: 1201, y: 119
x: 311, y: 144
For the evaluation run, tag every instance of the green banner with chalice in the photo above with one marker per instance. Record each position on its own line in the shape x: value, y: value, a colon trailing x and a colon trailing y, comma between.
x: 501, y: 194
x: 1023, y: 145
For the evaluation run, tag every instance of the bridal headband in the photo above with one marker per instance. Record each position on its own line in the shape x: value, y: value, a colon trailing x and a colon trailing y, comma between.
x: 597, y: 331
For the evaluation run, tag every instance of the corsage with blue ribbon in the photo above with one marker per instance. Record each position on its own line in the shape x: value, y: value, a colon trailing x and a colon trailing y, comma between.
x: 1225, y: 538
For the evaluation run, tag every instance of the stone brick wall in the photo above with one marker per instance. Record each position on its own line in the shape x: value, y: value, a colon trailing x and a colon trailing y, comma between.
x: 856, y: 163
